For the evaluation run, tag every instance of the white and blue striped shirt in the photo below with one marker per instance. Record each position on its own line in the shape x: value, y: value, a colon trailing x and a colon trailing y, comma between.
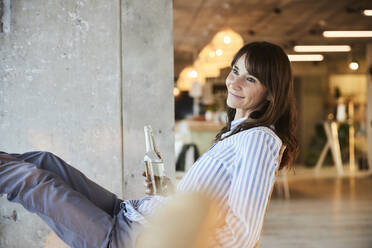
x: 239, y: 172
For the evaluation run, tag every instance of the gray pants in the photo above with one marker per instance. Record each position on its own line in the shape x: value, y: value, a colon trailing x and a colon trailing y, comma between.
x: 80, y: 212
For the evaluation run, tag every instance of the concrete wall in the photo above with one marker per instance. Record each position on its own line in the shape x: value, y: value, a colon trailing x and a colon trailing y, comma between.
x: 147, y: 46
x: 74, y: 81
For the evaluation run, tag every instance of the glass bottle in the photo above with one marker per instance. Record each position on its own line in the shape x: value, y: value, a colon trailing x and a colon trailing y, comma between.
x: 154, y: 164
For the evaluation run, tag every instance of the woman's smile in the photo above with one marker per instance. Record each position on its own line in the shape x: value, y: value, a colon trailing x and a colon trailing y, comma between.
x: 236, y: 95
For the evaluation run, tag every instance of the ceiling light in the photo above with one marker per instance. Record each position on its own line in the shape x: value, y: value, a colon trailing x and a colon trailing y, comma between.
x: 212, y: 54
x: 367, y: 12
x: 305, y: 57
x: 187, y: 77
x: 354, y: 65
x: 227, y: 39
x: 193, y: 74
x: 219, y: 52
x: 322, y: 48
x: 345, y: 34
x: 176, y: 91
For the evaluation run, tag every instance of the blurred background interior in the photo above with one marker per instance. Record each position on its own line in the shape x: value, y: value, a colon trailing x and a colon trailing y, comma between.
x: 327, y: 202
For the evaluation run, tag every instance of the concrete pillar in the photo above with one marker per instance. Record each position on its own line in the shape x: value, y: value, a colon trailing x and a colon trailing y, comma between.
x: 60, y: 92
x: 369, y: 103
x: 80, y: 79
x: 5, y: 16
x: 147, y: 76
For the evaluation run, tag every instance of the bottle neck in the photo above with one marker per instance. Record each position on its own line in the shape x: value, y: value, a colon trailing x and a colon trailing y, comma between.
x: 150, y: 143
x: 149, y: 139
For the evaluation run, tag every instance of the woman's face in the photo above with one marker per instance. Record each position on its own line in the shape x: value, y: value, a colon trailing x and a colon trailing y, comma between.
x: 245, y: 91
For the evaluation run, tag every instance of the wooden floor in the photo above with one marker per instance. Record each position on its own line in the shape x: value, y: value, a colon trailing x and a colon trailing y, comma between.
x: 323, y: 211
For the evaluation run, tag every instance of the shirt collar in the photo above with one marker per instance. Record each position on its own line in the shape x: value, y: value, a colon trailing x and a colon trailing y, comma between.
x: 235, y: 123
x: 238, y: 121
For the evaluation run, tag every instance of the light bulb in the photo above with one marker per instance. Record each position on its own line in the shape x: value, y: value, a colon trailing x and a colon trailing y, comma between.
x: 227, y: 39
x: 219, y: 52
x: 176, y: 91
x: 354, y: 66
x: 193, y: 74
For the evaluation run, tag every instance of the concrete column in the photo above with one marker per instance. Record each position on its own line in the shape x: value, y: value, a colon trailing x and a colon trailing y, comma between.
x: 81, y: 79
x: 369, y: 103
x: 147, y: 86
x: 5, y: 16
x: 60, y: 92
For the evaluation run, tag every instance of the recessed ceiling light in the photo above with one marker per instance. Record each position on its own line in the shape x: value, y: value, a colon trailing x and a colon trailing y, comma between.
x: 322, y: 48
x: 219, y: 52
x: 354, y: 65
x: 346, y: 34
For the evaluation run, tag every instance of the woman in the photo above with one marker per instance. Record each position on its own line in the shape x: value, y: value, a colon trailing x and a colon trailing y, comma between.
x: 238, y: 170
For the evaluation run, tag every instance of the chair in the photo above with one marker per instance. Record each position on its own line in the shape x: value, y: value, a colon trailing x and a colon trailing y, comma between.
x: 186, y: 158
x: 281, y: 182
x: 281, y: 152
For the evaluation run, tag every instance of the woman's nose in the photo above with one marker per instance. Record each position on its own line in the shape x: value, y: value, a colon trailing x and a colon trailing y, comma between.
x: 236, y: 82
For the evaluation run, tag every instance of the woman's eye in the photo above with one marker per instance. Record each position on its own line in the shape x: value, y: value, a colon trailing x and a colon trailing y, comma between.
x: 250, y: 79
x: 235, y: 71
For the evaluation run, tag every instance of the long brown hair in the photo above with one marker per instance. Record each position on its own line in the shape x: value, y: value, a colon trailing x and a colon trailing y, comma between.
x: 270, y: 64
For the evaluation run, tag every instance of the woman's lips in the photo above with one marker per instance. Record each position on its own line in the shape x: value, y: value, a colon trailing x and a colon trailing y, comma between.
x: 236, y: 95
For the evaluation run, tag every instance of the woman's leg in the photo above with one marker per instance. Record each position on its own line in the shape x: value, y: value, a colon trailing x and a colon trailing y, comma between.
x: 74, y: 218
x: 99, y: 196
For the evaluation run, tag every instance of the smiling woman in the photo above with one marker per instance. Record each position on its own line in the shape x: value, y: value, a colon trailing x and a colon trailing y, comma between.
x: 237, y: 172
x: 260, y: 88
x: 239, y: 169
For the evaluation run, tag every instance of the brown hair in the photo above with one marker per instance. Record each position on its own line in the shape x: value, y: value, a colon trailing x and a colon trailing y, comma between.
x: 270, y: 64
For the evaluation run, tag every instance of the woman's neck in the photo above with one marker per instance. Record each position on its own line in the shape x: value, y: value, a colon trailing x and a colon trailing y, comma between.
x: 240, y: 113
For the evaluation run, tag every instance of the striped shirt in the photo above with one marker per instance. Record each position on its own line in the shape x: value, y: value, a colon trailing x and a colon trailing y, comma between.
x: 239, y: 172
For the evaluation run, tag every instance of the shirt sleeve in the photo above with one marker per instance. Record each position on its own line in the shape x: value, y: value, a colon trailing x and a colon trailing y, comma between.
x: 138, y: 210
x: 252, y: 180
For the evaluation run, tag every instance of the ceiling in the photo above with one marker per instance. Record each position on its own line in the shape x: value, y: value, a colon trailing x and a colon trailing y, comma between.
x: 284, y: 22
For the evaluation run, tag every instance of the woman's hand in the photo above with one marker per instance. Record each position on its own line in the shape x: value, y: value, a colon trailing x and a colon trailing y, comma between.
x: 167, y: 185
x: 148, y: 185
